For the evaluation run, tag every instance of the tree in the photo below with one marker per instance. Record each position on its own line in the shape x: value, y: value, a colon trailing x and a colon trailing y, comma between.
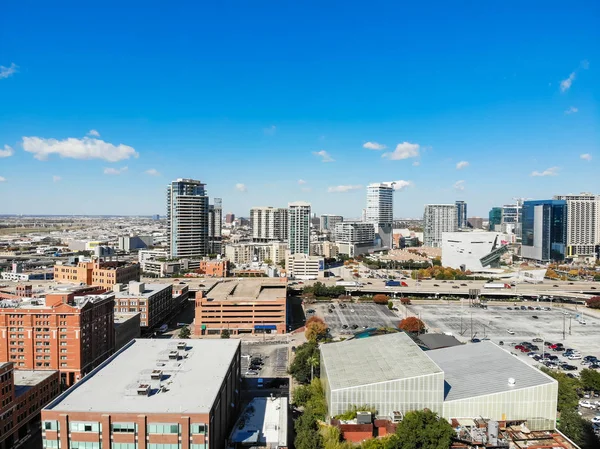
x: 313, y: 361
x: 225, y: 333
x: 268, y: 261
x: 316, y: 329
x: 380, y: 299
x: 567, y: 390
x: 300, y: 368
x: 424, y: 430
x: 594, y: 302
x: 185, y: 332
x: 590, y: 380
x: 390, y: 305
x: 412, y: 324
x: 578, y: 429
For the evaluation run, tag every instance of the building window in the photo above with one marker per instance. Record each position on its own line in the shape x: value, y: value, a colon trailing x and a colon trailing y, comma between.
x: 85, y: 427
x: 84, y: 445
x: 198, y: 446
x: 163, y: 428
x: 124, y: 446
x: 124, y: 427
x: 198, y: 428
x: 50, y: 444
x: 162, y: 446
x: 51, y: 425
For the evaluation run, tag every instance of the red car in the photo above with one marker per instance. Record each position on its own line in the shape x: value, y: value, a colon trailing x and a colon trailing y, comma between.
x: 521, y: 347
x: 556, y: 345
x: 525, y: 349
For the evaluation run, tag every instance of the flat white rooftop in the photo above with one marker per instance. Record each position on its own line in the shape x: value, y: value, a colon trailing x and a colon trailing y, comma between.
x: 264, y: 422
x: 190, y: 383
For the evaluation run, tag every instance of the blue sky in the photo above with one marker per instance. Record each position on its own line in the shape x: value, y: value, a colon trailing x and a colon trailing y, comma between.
x: 253, y: 98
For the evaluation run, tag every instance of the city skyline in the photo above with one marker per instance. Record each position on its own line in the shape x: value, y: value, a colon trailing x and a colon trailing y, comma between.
x: 314, y: 110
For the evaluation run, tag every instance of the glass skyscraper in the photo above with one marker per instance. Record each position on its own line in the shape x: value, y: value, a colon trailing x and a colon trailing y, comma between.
x: 544, y: 230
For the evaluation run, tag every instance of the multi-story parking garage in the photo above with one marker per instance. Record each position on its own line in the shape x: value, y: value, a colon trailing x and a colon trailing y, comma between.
x: 392, y: 374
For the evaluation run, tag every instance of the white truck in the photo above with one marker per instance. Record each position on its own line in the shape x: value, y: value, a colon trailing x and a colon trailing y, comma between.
x: 348, y: 284
x: 496, y: 286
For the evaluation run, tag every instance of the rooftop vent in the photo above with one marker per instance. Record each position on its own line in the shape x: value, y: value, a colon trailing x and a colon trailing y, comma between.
x: 174, y: 355
x: 397, y: 416
x: 143, y: 390
x: 156, y: 374
x: 181, y: 345
x: 363, y: 418
x: 511, y: 381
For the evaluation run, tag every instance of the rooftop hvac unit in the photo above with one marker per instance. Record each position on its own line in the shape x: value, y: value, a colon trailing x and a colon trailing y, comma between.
x: 363, y: 418
x: 156, y: 374
x: 174, y: 355
x: 143, y: 390
x: 181, y: 345
x: 511, y: 381
x: 397, y: 416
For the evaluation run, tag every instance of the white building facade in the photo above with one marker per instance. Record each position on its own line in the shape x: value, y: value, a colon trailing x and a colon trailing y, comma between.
x: 583, y: 224
x: 299, y: 227
x: 303, y: 266
x: 469, y: 250
x: 380, y: 212
x: 269, y: 224
x: 438, y: 218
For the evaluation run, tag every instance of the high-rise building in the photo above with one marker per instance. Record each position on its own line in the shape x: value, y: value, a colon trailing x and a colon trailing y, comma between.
x: 544, y: 230
x: 299, y: 227
x: 512, y: 218
x: 438, y: 218
x: 269, y: 224
x: 229, y: 218
x: 354, y: 237
x: 187, y: 217
x: 380, y: 212
x: 461, y: 214
x: 495, y: 218
x: 64, y: 332
x: 328, y: 223
x: 475, y: 222
x: 583, y: 224
x: 215, y: 223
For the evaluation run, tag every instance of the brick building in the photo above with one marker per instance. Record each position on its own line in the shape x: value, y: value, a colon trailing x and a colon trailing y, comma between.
x: 242, y: 306
x: 23, y: 393
x: 64, y: 332
x: 104, y: 274
x: 214, y: 268
x: 152, y: 394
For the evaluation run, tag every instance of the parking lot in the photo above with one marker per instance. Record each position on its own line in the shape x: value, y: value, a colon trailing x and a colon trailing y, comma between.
x: 274, y: 357
x: 496, y: 321
x: 355, y: 316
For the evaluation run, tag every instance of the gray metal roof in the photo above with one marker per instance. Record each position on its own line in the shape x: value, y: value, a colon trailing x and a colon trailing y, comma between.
x: 437, y: 341
x: 191, y: 383
x: 373, y: 360
x: 478, y: 369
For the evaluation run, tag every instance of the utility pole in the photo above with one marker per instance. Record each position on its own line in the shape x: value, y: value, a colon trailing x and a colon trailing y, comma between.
x: 563, y: 327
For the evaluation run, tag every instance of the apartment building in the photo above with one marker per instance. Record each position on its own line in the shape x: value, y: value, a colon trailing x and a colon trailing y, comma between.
x: 438, y: 218
x: 65, y: 332
x: 215, y: 224
x: 242, y: 306
x: 303, y: 266
x: 355, y: 237
x: 152, y: 394
x: 380, y: 212
x: 23, y: 393
x: 544, y: 230
x: 103, y: 274
x: 328, y: 223
x: 299, y: 227
x: 246, y: 253
x: 583, y: 224
x: 461, y: 214
x: 154, y: 302
x: 218, y: 268
x: 187, y: 218
x: 269, y: 224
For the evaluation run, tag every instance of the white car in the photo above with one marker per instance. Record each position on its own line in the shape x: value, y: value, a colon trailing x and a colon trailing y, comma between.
x: 574, y: 357
x: 586, y: 404
x: 596, y: 419
x: 511, y: 332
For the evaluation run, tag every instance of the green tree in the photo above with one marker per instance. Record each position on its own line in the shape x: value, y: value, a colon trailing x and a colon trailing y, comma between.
x: 424, y: 430
x: 307, y: 435
x: 567, y: 390
x: 300, y: 368
x: 268, y: 261
x: 185, y: 332
x: 301, y: 395
x: 225, y: 333
x: 578, y: 429
x: 590, y: 380
x: 313, y: 361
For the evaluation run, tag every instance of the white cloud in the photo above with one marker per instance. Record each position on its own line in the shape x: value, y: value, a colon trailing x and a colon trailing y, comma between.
x: 93, y: 133
x: 324, y: 155
x: 565, y: 85
x: 7, y: 151
x: 461, y: 165
x: 374, y: 146
x: 343, y: 188
x: 84, y: 148
x: 552, y: 171
x: 459, y: 185
x: 152, y: 172
x: 56, y: 178
x: 270, y: 130
x: 586, y: 157
x: 404, y: 150
x: 301, y: 181
x: 401, y: 184
x: 416, y: 163
x: 571, y: 110
x: 115, y: 171
x: 5, y: 72
x: 241, y: 187
x: 2, y: 179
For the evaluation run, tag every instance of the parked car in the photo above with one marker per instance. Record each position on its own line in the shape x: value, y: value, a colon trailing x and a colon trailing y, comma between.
x: 251, y: 373
x: 535, y: 317
x: 511, y: 332
x: 594, y: 366
x: 509, y: 308
x: 475, y: 340
x: 538, y: 339
x: 586, y: 404
x: 574, y: 357
x: 569, y: 367
x: 596, y: 419
x: 519, y: 347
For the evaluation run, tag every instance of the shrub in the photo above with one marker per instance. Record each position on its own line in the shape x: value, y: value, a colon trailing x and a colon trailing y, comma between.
x: 412, y: 324
x: 380, y: 299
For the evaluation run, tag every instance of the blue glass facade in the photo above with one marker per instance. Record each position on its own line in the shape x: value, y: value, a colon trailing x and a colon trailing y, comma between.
x: 544, y: 230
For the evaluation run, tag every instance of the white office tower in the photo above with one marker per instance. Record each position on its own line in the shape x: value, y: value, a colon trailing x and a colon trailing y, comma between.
x: 438, y: 218
x: 354, y: 238
x: 299, y: 227
x: 380, y: 212
x: 187, y: 218
x: 583, y: 224
x: 215, y: 223
x: 269, y: 224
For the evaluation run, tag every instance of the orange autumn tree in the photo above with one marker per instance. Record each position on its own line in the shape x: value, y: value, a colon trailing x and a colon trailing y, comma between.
x: 412, y: 324
x: 316, y: 329
x: 381, y: 299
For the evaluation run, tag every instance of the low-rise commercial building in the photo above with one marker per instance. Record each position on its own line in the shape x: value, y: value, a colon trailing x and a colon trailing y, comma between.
x: 152, y: 394
x: 104, y: 274
x: 23, y: 394
x: 392, y: 374
x: 473, y: 251
x: 154, y: 302
x: 303, y: 266
x: 134, y: 242
x: 127, y: 327
x: 246, y: 253
x: 214, y: 268
x: 64, y: 332
x: 242, y: 306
